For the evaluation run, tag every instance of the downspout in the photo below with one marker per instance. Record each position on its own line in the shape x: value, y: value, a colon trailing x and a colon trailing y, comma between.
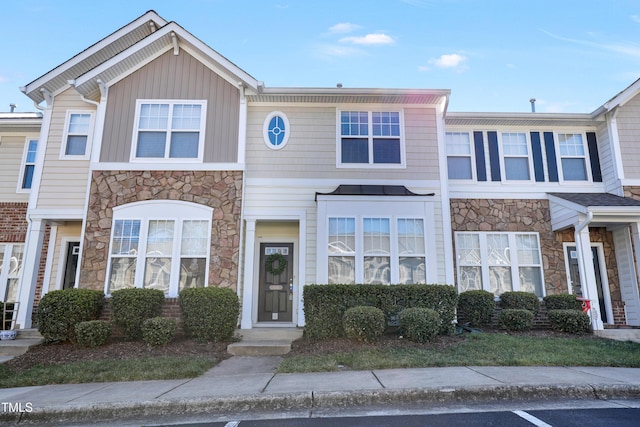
x: 581, y: 255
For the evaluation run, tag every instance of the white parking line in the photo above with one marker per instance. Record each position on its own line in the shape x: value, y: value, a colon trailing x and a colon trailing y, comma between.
x: 232, y: 424
x: 533, y: 420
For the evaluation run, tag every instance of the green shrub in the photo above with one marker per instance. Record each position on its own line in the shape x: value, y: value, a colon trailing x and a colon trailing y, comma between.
x: 476, y: 306
x: 60, y: 311
x: 571, y: 321
x: 514, y: 319
x: 325, y: 305
x: 93, y: 333
x: 159, y: 331
x: 364, y: 323
x: 131, y: 307
x: 209, y: 314
x: 520, y: 300
x: 419, y: 324
x: 562, y: 302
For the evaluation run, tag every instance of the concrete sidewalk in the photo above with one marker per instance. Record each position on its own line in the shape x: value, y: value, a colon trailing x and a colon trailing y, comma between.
x: 242, y: 384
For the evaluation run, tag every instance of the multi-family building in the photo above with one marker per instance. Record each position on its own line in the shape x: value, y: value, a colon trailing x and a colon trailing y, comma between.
x: 161, y: 164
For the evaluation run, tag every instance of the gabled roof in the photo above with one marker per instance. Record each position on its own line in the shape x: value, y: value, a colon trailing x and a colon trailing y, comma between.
x: 127, y: 49
x: 589, y: 200
x: 619, y: 99
x: 94, y: 55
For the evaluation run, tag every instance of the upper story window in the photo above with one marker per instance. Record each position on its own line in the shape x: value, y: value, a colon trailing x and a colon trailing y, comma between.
x: 28, y: 165
x: 515, y: 154
x: 370, y: 138
x: 77, y: 131
x: 169, y: 130
x: 275, y: 130
x: 458, y: 146
x: 573, y: 157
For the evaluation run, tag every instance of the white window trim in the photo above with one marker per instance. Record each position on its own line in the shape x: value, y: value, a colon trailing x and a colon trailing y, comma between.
x: 514, y: 266
x: 472, y: 156
x: 152, y: 210
x: 265, y: 130
x: 65, y: 135
x: 4, y: 273
x: 559, y: 157
x: 503, y: 157
x: 24, y: 164
x: 370, y: 165
x: 201, y: 140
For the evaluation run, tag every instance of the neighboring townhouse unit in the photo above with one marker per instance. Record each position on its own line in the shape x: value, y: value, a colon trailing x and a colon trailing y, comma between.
x: 19, y: 133
x: 161, y: 164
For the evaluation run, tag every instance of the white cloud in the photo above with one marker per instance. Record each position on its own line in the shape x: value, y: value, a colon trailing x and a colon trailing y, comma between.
x: 624, y: 48
x: 451, y: 60
x: 369, y: 39
x: 343, y: 28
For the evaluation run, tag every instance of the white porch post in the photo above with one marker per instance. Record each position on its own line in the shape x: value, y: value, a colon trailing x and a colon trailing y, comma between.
x: 588, y: 275
x: 247, y: 284
x: 31, y: 265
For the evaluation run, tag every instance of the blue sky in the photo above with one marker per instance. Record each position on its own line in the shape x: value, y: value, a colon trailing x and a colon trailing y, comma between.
x: 494, y: 55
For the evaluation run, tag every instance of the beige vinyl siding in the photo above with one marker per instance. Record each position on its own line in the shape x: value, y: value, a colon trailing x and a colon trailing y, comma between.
x: 629, y: 134
x: 605, y: 152
x: 64, y: 181
x: 263, y: 197
x: 173, y: 77
x: 311, y: 150
x: 11, y: 152
x: 70, y: 231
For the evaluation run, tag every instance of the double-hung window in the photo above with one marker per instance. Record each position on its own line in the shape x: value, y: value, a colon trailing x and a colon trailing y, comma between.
x: 515, y: 153
x: 572, y: 157
x: 165, y: 248
x: 370, y: 138
x: 169, y: 130
x: 11, y: 257
x: 458, y: 147
x: 376, y: 250
x: 499, y: 262
x: 77, y: 135
x: 28, y: 165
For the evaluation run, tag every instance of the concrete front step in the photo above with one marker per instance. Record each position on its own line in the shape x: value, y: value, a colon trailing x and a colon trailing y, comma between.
x: 28, y: 333
x: 619, y: 334
x: 18, y: 346
x: 264, y: 341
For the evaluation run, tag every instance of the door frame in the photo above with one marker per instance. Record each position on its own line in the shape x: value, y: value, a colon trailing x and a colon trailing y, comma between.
x: 604, y: 279
x: 256, y: 283
x: 62, y: 259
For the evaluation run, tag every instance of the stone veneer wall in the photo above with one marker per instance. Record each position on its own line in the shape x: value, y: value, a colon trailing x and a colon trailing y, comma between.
x: 531, y: 215
x: 221, y: 190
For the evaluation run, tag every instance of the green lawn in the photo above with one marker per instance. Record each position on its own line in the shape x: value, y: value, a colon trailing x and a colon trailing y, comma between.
x: 478, y: 349
x: 147, y: 368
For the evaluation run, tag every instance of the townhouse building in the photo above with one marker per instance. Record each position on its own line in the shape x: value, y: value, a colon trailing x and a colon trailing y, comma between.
x: 161, y: 164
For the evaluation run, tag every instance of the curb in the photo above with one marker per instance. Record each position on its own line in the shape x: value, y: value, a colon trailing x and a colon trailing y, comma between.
x: 310, y: 401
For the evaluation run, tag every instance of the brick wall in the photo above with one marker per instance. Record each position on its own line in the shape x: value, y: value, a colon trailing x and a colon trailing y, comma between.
x: 13, y: 222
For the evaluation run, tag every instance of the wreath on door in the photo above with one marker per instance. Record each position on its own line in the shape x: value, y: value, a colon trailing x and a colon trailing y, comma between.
x: 276, y: 263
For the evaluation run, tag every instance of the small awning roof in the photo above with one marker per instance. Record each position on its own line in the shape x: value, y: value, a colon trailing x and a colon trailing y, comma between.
x: 607, y: 210
x: 372, y: 190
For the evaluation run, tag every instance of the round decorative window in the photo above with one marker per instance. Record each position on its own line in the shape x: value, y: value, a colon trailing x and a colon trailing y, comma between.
x: 276, y: 130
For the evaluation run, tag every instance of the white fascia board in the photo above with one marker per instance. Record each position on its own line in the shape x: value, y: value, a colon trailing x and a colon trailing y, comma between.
x: 56, y: 214
x: 149, y: 16
x: 166, y: 166
x: 352, y: 91
x: 620, y: 99
x: 567, y: 204
x: 360, y: 198
x: 615, y: 210
x: 192, y: 45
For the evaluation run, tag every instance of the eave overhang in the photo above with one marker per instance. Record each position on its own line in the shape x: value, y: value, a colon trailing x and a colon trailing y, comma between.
x: 520, y: 119
x: 604, y: 209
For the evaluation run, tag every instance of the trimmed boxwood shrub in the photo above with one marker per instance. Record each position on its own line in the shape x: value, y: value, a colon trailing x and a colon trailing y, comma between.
x: 570, y: 321
x: 325, y: 305
x: 520, y: 300
x: 60, y: 311
x: 131, y: 307
x: 93, y: 333
x: 209, y: 314
x: 419, y: 324
x: 562, y: 302
x: 514, y: 319
x: 476, y: 306
x: 364, y: 323
x: 159, y: 331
